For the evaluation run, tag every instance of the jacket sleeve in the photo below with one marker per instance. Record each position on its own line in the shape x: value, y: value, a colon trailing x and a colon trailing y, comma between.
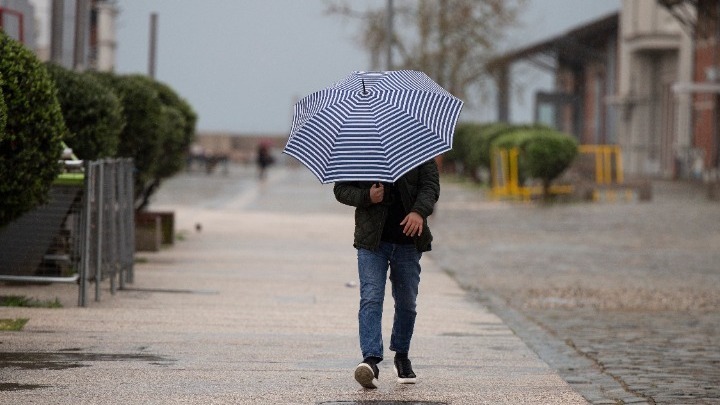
x: 428, y: 191
x: 351, y: 193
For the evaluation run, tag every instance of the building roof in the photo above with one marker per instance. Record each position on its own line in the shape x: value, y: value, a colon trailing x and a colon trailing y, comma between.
x: 575, y: 44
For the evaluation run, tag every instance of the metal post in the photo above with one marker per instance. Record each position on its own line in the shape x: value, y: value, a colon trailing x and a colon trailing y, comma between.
x: 153, y: 45
x: 84, y: 234
x: 389, y: 34
x: 56, y: 37
x: 82, y: 24
x: 111, y: 218
x: 122, y: 222
x: 503, y: 100
x: 130, y: 217
x: 99, y: 240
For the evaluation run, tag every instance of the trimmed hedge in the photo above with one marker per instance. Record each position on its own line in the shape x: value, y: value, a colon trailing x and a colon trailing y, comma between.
x: 3, y: 111
x: 176, y: 131
x: 160, y: 126
x: 463, y: 139
x: 32, y: 142
x: 92, y: 112
x: 140, y: 138
x: 544, y: 153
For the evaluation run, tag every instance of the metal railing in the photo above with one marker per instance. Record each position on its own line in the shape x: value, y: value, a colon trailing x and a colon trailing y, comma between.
x: 107, y: 244
x: 84, y: 234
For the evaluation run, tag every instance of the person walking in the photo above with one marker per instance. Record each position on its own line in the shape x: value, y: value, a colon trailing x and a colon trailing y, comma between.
x: 391, y: 231
x: 263, y: 159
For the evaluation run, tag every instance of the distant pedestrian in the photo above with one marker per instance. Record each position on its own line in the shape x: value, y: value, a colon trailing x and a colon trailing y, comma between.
x: 263, y: 159
x: 391, y: 231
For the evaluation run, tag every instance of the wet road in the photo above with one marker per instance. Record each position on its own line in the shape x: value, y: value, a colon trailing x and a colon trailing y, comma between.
x: 622, y: 298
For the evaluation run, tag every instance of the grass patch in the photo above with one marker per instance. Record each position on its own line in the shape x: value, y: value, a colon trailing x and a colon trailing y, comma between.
x: 13, y: 325
x: 20, y: 301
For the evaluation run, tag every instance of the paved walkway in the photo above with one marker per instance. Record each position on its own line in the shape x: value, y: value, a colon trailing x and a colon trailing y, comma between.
x: 258, y: 307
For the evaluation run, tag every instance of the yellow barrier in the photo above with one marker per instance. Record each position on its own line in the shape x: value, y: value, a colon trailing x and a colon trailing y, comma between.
x: 608, y: 170
x: 605, y: 155
x: 506, y: 179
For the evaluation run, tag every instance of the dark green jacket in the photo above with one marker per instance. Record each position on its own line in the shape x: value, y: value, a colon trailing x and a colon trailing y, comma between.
x: 419, y: 189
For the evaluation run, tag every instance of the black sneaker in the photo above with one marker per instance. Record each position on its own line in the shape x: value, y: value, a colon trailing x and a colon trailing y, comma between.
x: 366, y: 373
x: 404, y: 371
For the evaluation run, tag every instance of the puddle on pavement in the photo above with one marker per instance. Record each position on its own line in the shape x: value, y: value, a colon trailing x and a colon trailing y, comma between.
x: 20, y: 387
x: 69, y: 358
x: 62, y: 360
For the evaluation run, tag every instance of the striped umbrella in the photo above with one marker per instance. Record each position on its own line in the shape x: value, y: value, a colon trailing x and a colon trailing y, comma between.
x: 373, y: 126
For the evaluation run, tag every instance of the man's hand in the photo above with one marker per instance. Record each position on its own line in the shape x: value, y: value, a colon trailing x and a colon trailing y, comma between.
x: 413, y: 223
x: 377, y: 191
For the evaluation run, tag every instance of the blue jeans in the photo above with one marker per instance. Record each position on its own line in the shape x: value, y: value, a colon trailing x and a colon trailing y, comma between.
x: 404, y: 264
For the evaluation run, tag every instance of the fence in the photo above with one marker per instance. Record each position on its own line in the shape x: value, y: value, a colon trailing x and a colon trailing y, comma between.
x: 602, y: 165
x: 506, y: 181
x: 84, y: 234
x: 596, y: 174
x: 607, y: 162
x: 107, y: 244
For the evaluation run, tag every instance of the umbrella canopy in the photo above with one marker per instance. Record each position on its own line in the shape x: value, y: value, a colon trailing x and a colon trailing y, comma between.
x: 373, y: 126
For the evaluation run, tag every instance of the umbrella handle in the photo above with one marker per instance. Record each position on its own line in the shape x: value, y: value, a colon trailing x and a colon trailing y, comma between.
x: 363, y: 84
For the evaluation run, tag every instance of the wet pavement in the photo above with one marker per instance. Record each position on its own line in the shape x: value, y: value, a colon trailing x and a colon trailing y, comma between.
x: 258, y: 306
x: 622, y: 298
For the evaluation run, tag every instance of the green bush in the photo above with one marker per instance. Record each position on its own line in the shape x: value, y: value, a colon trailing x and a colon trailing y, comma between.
x: 92, y: 113
x: 32, y: 142
x: 462, y: 139
x: 179, y: 131
x: 170, y: 98
x: 140, y: 139
x: 548, y: 154
x: 160, y: 126
x: 3, y: 111
x: 176, y: 132
x: 543, y: 153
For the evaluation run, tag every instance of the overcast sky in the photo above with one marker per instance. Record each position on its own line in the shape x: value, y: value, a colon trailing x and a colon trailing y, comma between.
x: 242, y: 64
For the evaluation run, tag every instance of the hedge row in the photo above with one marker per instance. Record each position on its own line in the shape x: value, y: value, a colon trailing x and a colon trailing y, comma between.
x: 544, y: 152
x: 128, y: 116
x: 98, y: 115
x: 31, y: 131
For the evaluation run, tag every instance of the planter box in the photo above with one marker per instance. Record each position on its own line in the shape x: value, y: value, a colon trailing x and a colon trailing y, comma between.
x: 25, y: 241
x: 167, y: 223
x: 148, y: 232
x: 153, y: 230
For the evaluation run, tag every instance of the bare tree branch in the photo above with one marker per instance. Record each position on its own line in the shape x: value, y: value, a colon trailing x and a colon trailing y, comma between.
x: 450, y: 40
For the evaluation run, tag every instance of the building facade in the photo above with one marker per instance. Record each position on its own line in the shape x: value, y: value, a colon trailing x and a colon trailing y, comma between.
x: 655, y: 53
x: 584, y: 63
x: 706, y: 103
x: 616, y: 82
x: 75, y: 34
x: 17, y: 19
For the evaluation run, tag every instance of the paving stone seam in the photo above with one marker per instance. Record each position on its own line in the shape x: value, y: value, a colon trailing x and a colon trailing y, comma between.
x: 557, y: 353
x: 600, y: 365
